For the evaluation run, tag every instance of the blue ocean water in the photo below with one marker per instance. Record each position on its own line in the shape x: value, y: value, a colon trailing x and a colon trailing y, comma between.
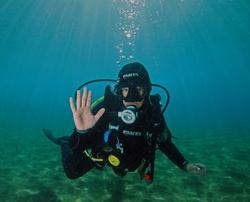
x: 198, y: 49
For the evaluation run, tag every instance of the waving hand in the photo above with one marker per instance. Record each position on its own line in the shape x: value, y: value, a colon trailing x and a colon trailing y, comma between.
x: 83, y: 117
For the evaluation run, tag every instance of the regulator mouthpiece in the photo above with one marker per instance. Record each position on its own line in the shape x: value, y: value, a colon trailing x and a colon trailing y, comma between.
x: 128, y: 115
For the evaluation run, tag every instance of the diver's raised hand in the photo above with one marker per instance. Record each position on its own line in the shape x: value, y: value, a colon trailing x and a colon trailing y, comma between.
x: 83, y: 117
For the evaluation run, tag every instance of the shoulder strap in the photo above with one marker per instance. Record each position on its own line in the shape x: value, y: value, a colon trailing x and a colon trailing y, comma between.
x: 156, y: 116
x: 111, y: 101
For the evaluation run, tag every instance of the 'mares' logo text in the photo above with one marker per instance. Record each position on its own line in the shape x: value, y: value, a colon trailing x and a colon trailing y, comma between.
x: 131, y: 133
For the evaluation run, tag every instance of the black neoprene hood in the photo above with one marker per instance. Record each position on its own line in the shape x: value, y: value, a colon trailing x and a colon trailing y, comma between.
x: 134, y: 74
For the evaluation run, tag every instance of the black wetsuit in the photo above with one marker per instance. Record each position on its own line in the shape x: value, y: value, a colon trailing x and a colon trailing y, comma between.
x: 129, y: 142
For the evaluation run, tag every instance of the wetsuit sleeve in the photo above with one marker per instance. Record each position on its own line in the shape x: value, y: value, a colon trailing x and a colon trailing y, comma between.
x: 81, y: 141
x: 170, y: 150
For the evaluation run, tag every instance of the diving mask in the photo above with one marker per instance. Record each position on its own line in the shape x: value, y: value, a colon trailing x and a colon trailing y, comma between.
x: 132, y: 93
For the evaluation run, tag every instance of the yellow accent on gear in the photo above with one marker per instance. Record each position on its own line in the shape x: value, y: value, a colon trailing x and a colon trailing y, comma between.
x: 113, y: 160
x: 92, y: 158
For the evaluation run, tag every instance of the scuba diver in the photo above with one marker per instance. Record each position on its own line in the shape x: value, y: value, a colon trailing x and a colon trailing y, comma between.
x: 122, y: 130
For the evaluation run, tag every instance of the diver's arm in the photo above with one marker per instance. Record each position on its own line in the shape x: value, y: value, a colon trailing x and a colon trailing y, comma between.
x: 80, y: 141
x: 169, y: 149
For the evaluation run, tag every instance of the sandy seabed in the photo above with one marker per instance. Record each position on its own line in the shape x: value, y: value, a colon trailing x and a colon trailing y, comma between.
x: 31, y: 170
